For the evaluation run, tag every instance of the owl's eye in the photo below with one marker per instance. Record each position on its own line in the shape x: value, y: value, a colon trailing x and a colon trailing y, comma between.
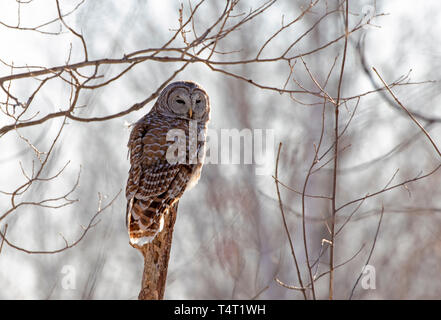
x: 180, y: 101
x: 198, y: 101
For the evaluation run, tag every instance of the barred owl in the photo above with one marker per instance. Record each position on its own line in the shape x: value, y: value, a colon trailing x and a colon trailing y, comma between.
x: 167, y: 150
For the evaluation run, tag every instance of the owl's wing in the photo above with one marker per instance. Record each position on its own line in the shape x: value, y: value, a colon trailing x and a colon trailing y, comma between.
x: 150, y: 173
x: 135, y: 146
x: 157, y: 192
x: 154, y: 184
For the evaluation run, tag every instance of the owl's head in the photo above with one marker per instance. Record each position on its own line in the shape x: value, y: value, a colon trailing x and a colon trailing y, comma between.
x: 185, y: 100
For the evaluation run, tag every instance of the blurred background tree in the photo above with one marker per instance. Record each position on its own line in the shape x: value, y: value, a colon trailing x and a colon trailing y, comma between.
x: 235, y: 245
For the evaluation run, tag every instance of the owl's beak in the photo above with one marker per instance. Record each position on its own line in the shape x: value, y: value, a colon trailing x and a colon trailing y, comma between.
x: 190, y: 112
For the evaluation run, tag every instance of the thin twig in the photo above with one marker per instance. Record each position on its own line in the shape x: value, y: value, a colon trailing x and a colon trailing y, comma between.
x: 285, y: 224
x: 334, y: 180
x: 91, y: 224
x: 370, y: 253
x: 408, y: 113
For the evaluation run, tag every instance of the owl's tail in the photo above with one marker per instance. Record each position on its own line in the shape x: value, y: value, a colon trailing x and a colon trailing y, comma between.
x: 145, y: 218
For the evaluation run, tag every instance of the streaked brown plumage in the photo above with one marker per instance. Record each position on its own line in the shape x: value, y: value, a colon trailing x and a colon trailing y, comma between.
x: 156, y: 179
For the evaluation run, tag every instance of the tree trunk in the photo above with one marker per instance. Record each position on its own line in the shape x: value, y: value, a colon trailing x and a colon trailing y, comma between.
x: 156, y: 256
